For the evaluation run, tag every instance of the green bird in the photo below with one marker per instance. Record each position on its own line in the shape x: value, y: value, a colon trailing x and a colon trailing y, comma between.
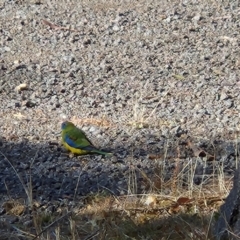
x: 75, y: 140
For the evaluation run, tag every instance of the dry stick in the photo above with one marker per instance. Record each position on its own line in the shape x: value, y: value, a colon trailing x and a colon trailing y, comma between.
x: 50, y: 225
x: 73, y: 228
x: 108, y: 190
x: 21, y: 231
x: 133, y: 178
x: 144, y: 175
x: 57, y: 233
x: 236, y: 152
x: 75, y: 192
x: 194, y: 229
x: 164, y: 161
x: 31, y: 193
x: 209, y: 225
x: 28, y: 192
x: 54, y: 26
x: 8, y: 192
x: 192, y: 171
x: 19, y: 177
x: 176, y: 172
x: 214, y: 162
x: 94, y: 234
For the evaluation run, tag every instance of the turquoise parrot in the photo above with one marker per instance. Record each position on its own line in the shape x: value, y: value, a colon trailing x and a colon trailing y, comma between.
x: 75, y: 140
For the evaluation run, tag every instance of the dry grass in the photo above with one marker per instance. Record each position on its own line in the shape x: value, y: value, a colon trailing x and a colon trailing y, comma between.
x: 128, y: 217
x: 184, y: 213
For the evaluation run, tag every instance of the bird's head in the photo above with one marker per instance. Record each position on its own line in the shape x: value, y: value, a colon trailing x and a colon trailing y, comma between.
x: 66, y: 125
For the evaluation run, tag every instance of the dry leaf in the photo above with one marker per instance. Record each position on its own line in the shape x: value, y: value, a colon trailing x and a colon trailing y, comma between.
x: 150, y: 201
x: 21, y: 87
x: 155, y: 156
x: 179, y: 77
x: 183, y: 200
x: 198, y: 152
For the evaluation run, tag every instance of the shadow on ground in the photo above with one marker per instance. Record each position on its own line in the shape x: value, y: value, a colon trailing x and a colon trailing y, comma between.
x: 176, y: 227
x: 51, y: 174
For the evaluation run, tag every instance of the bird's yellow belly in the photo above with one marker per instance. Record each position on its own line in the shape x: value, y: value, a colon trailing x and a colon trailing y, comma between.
x: 74, y: 150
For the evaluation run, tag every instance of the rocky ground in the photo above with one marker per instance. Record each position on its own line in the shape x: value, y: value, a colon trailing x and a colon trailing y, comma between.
x: 156, y: 83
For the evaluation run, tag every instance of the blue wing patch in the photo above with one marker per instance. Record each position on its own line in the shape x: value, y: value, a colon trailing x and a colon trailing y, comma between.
x: 72, y: 143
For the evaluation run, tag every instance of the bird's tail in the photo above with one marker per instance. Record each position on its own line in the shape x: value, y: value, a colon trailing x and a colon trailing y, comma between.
x: 102, y: 153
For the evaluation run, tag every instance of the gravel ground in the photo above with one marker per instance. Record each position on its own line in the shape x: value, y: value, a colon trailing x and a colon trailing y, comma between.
x: 153, y: 83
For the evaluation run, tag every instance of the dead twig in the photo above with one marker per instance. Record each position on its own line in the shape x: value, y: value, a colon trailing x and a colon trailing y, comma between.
x: 56, y: 27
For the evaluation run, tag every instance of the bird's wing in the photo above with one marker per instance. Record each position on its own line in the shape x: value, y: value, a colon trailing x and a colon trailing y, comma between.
x: 78, y: 140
